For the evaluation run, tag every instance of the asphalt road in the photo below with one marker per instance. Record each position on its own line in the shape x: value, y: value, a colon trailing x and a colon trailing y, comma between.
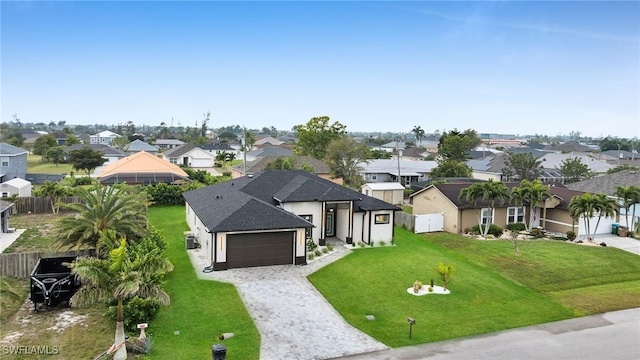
x: 613, y: 335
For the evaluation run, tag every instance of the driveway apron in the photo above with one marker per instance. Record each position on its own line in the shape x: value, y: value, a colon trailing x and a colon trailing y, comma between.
x: 294, y: 320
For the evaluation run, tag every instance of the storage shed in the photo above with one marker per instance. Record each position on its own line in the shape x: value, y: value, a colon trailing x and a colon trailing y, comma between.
x: 391, y: 192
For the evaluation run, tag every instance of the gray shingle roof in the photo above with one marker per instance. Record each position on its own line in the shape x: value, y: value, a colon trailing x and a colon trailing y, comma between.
x: 139, y: 145
x: 179, y: 150
x: 255, y: 166
x: 606, y: 184
x: 107, y: 150
x: 7, y: 149
x: 249, y: 203
x: 270, y: 151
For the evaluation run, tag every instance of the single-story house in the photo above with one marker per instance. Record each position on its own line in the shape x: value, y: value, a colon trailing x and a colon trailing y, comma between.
x: 215, y: 149
x: 18, y: 186
x: 554, y: 160
x: 267, y: 218
x: 110, y: 154
x: 320, y: 168
x: 386, y: 170
x: 391, y: 192
x: 268, y: 140
x: 552, y: 214
x: 103, y: 137
x: 189, y: 155
x: 139, y: 145
x: 168, y: 143
x: 142, y: 168
x: 269, y: 150
x: 490, y: 168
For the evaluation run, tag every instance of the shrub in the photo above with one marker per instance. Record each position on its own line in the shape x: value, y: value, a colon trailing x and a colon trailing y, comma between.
x: 329, y: 247
x: 135, y: 310
x: 430, y: 288
x: 361, y: 244
x: 571, y: 235
x: 325, y: 250
x: 494, y: 230
x: 516, y: 227
x: 311, y: 256
x: 445, y: 273
x: 372, y: 243
x: 382, y: 243
x: 536, y: 233
x: 317, y: 252
x: 311, y: 245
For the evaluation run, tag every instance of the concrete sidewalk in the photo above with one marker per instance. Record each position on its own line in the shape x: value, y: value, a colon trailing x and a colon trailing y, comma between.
x: 6, y: 239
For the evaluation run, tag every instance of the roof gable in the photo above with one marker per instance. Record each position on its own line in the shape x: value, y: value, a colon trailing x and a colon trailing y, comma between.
x: 9, y: 150
x: 142, y: 162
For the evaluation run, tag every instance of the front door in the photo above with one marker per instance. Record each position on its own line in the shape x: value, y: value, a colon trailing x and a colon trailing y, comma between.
x: 329, y: 227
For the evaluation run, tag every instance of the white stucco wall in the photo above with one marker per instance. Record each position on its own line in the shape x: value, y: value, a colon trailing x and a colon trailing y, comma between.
x: 381, y: 232
x: 308, y: 208
x: 342, y: 224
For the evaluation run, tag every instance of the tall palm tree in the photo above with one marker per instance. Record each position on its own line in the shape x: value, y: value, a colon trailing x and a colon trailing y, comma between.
x: 118, y: 207
x: 630, y: 196
x: 531, y: 192
x: 419, y: 134
x: 493, y: 192
x: 587, y: 206
x: 122, y: 276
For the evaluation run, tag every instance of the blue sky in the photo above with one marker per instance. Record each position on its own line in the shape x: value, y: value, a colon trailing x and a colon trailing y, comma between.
x: 539, y: 67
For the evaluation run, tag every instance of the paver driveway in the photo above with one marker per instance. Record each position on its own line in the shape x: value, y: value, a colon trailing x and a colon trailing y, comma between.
x: 293, y: 318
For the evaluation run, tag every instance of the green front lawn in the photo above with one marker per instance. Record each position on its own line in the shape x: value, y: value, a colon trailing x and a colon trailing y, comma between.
x: 36, y: 166
x: 492, y: 289
x: 200, y: 310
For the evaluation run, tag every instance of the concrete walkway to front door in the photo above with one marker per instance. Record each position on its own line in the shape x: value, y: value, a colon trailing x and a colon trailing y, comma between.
x: 293, y: 318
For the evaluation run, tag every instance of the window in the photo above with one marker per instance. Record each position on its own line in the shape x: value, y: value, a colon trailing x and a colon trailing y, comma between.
x: 308, y: 231
x: 5, y: 161
x: 515, y: 215
x: 487, y: 216
x: 374, y: 177
x: 5, y: 194
x: 382, y: 219
x: 173, y: 160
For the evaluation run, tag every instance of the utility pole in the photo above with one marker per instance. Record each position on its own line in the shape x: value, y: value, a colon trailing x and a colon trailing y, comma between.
x: 398, y: 150
x: 244, y: 150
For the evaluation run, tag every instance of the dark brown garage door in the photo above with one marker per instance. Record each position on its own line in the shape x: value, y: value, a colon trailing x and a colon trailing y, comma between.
x: 245, y: 250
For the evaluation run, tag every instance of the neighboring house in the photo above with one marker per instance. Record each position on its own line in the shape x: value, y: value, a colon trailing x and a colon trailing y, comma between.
x: 414, y: 153
x: 554, y: 161
x: 142, y: 168
x: 111, y: 154
x: 215, y: 149
x: 319, y: 168
x: 139, y: 145
x: 190, y: 156
x: 613, y: 156
x: 392, y: 146
x: 267, y: 218
x: 18, y: 186
x: 268, y: 140
x: 268, y: 151
x: 459, y: 215
x: 386, y: 170
x: 391, y: 192
x: 103, y: 137
x: 13, y: 162
x: 606, y: 184
x: 568, y: 147
x: 61, y: 138
x: 5, y: 209
x: 490, y: 168
x: 168, y: 143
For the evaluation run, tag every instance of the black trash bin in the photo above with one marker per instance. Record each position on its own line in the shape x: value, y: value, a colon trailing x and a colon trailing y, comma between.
x: 219, y: 351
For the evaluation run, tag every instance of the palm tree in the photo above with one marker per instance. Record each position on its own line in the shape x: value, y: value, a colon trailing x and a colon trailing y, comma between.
x: 118, y: 207
x: 531, y: 192
x: 53, y: 191
x: 630, y: 196
x: 587, y: 205
x: 419, y: 134
x: 490, y: 191
x: 122, y: 276
x: 606, y: 207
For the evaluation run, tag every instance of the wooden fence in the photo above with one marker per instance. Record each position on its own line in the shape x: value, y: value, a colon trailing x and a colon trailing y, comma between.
x: 39, y: 204
x: 404, y: 220
x: 20, y: 265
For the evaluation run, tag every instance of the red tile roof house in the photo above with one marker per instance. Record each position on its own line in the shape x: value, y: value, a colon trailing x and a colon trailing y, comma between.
x: 266, y: 218
x: 460, y: 215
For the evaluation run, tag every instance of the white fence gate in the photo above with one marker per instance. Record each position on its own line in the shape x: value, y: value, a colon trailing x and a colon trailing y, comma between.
x: 429, y: 223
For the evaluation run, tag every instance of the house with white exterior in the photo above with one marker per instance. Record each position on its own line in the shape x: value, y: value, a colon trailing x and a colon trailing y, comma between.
x: 189, y: 155
x: 267, y: 218
x: 554, y: 160
x: 103, y: 137
x: 168, y: 143
x: 18, y: 186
